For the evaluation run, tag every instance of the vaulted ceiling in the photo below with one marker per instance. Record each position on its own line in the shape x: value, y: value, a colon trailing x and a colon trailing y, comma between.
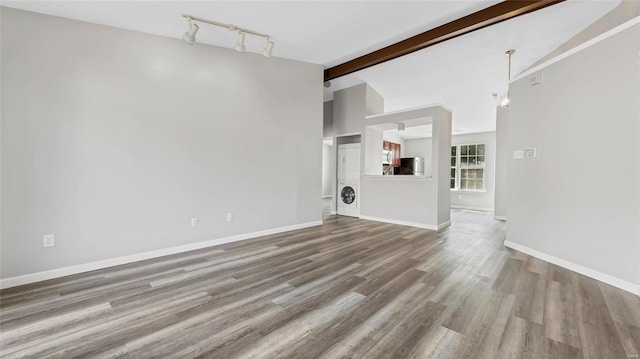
x: 461, y: 74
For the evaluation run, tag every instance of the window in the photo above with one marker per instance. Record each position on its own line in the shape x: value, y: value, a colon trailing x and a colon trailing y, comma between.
x: 467, y: 167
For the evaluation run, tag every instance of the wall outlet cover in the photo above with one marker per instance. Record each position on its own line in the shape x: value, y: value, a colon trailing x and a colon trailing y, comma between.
x: 530, y: 152
x: 48, y: 240
x: 194, y: 222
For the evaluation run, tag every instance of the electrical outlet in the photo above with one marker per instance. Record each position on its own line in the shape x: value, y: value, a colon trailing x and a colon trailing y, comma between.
x: 530, y: 152
x: 48, y: 240
x: 194, y: 222
x: 229, y: 217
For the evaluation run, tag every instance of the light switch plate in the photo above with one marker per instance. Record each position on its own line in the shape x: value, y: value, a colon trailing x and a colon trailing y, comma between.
x: 518, y: 154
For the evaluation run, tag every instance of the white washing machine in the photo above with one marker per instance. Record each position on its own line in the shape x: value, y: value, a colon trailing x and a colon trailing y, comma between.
x: 348, y: 198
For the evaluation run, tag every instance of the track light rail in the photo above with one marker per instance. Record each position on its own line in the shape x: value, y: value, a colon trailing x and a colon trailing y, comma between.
x: 229, y: 27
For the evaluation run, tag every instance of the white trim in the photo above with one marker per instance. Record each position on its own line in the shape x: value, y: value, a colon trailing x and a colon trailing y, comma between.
x: 333, y: 212
x: 616, y: 282
x: 500, y: 218
x: 479, y: 209
x: 584, y: 45
x: 91, y: 266
x: 327, y: 196
x: 406, y: 223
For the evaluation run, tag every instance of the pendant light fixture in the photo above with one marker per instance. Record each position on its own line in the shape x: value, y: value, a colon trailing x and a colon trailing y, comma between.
x: 190, y: 36
x: 504, y: 103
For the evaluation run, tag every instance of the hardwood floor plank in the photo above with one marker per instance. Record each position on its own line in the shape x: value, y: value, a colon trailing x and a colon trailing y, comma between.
x: 598, y: 335
x: 521, y: 339
x: 561, y: 313
x: 347, y: 289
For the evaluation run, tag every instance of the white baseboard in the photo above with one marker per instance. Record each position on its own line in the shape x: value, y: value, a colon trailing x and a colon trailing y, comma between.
x: 500, y: 218
x: 327, y: 196
x: 333, y: 212
x: 616, y: 282
x: 406, y: 223
x: 472, y: 208
x: 87, y: 267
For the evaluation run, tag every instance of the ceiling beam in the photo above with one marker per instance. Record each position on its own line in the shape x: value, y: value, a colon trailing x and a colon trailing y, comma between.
x: 486, y: 17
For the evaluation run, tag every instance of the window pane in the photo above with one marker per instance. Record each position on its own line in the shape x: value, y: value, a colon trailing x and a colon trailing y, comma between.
x: 463, y: 162
x: 453, y: 183
x: 472, y: 161
x: 480, y: 161
x: 480, y: 173
x: 463, y: 173
x: 463, y: 184
x: 481, y: 149
x: 453, y: 173
x: 479, y: 184
x: 463, y: 150
x: 470, y: 184
x: 453, y: 150
x: 453, y: 161
x: 472, y: 150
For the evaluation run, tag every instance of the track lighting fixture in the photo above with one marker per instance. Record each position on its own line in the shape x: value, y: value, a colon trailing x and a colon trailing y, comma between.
x: 190, y: 36
x: 268, y: 49
x: 504, y: 103
x: 240, y: 44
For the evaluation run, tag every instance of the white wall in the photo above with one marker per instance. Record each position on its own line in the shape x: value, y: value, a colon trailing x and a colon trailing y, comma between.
x: 502, y: 161
x: 373, y: 151
x: 478, y: 200
x: 112, y: 140
x: 406, y: 200
x: 420, y: 147
x: 328, y: 170
x: 580, y: 199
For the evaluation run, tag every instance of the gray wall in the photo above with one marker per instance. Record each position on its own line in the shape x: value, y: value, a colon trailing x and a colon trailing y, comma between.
x: 351, y: 105
x: 112, y: 140
x: 502, y: 160
x: 328, y: 170
x: 423, y: 202
x: 580, y: 199
x: 420, y: 147
x: 327, y: 119
x: 625, y: 11
x: 478, y: 200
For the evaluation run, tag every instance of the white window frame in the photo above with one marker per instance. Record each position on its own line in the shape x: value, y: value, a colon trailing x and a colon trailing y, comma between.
x: 458, y: 168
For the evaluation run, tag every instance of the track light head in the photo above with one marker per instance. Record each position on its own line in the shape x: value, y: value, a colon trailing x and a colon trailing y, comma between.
x: 190, y: 36
x: 400, y: 127
x: 240, y: 44
x: 268, y: 49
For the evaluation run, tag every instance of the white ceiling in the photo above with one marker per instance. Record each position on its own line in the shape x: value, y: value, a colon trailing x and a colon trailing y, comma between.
x: 461, y: 74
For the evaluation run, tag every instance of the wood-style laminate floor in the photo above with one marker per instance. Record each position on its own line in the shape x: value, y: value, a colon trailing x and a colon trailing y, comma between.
x: 348, y: 289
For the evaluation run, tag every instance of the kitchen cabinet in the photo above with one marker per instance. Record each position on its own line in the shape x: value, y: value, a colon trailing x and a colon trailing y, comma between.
x: 395, y: 150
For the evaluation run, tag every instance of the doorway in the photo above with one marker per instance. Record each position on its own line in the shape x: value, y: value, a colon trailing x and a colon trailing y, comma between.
x: 328, y: 176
